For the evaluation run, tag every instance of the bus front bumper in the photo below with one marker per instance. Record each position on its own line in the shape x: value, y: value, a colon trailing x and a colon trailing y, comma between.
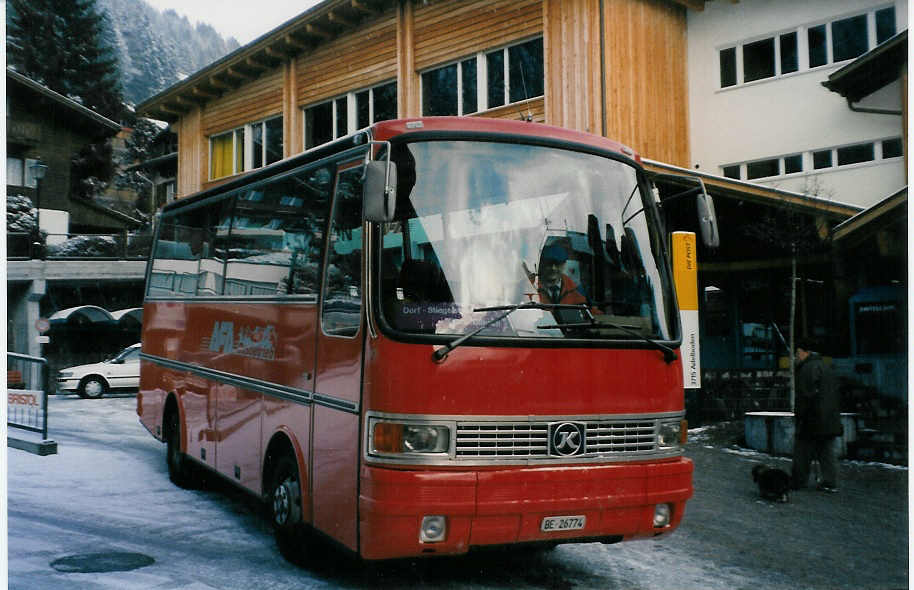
x: 506, y: 506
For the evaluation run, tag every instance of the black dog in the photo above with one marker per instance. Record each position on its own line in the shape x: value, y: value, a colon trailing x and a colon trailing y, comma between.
x: 773, y: 484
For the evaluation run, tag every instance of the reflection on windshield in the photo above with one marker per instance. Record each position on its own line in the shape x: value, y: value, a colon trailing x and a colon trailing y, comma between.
x: 485, y: 224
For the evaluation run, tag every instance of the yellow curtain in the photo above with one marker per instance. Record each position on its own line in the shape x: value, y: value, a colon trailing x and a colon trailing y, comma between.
x: 221, y: 160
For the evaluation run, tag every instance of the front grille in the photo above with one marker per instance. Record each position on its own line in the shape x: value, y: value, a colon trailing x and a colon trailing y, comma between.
x: 498, y: 439
x: 530, y: 440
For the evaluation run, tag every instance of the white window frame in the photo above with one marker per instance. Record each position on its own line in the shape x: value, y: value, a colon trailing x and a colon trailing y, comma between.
x: 248, y: 134
x: 802, y: 32
x: 351, y: 111
x: 482, y: 77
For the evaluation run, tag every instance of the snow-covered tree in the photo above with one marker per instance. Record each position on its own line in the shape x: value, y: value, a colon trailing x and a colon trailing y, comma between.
x: 60, y: 43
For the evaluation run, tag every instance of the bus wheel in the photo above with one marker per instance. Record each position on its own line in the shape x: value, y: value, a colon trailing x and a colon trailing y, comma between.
x: 285, y: 508
x: 180, y: 471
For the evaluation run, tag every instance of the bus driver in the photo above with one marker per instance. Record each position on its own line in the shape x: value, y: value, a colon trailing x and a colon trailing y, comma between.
x: 554, y: 286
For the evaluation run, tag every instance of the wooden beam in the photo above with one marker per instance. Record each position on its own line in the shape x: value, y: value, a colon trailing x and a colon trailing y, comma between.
x: 294, y: 42
x: 317, y: 32
x: 364, y: 8
x: 337, y: 18
x: 219, y: 84
x: 237, y: 75
x: 280, y: 55
x: 256, y: 64
x: 200, y: 93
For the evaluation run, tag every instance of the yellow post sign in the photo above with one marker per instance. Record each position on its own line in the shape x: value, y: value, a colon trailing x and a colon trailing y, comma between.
x: 685, y: 276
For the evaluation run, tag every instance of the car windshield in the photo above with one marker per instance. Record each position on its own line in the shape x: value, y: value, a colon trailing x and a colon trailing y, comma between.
x: 484, y: 224
x: 127, y: 355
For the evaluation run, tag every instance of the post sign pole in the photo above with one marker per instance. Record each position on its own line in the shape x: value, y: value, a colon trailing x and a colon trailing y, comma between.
x: 685, y: 276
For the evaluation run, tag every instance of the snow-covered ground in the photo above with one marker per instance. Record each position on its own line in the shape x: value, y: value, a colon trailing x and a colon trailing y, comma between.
x: 107, y: 493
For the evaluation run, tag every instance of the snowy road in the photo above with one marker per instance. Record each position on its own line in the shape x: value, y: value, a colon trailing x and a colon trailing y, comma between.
x: 107, y: 492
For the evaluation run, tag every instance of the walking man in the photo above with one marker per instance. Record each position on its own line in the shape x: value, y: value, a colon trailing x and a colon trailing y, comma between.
x: 818, y: 419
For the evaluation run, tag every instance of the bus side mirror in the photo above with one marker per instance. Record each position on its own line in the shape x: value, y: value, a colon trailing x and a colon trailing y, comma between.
x: 379, y: 191
x: 707, y: 220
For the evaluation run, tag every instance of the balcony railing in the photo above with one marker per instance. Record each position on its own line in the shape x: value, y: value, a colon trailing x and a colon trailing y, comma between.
x: 122, y: 246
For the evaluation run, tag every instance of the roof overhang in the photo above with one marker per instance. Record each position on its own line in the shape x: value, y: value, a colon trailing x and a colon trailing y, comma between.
x: 872, y: 70
x: 303, y: 33
x: 748, y: 191
x: 86, y: 113
x: 891, y: 210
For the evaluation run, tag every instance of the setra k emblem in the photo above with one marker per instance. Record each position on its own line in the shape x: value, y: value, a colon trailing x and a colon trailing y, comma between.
x: 566, y: 439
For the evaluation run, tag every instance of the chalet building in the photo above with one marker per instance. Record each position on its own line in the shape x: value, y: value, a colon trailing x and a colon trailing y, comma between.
x: 42, y: 124
x: 728, y: 91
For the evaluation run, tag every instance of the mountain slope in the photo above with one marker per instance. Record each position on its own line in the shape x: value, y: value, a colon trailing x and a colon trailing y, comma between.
x: 157, y: 49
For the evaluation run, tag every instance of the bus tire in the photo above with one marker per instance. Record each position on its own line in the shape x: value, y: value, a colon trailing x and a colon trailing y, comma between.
x: 284, y: 501
x: 180, y: 470
x: 92, y: 387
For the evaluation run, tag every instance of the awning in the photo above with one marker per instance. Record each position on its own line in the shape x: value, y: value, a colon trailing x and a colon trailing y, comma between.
x: 132, y: 316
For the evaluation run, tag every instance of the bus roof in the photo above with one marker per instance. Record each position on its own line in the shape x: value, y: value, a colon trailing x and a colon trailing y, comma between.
x: 386, y: 130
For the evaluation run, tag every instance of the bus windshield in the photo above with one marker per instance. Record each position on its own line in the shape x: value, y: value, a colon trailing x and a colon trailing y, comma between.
x: 567, y: 235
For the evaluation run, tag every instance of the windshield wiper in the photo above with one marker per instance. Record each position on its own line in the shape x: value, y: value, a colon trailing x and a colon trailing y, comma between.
x: 669, y: 355
x: 441, y: 353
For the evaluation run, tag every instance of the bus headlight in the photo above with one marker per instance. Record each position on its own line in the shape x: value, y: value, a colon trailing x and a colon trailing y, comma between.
x: 404, y: 437
x: 672, y: 434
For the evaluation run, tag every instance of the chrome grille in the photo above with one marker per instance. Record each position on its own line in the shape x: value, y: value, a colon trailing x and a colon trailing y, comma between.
x: 525, y: 440
x: 498, y: 439
x: 620, y: 437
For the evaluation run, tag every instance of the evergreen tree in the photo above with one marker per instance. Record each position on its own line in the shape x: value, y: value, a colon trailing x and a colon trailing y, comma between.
x: 60, y: 43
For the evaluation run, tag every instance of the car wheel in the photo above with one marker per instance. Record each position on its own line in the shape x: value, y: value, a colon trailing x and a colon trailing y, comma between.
x: 92, y: 387
x: 285, y: 500
x: 180, y: 470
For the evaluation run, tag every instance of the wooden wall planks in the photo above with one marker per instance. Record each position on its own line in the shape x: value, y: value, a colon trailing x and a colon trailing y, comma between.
x: 639, y: 97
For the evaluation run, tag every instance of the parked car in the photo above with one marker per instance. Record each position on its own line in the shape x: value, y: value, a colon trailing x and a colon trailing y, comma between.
x: 94, y: 380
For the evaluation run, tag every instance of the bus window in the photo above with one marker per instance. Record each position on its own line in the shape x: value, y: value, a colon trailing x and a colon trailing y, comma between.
x: 277, y: 236
x: 545, y: 225
x: 214, y: 248
x: 342, y: 310
x: 175, y: 265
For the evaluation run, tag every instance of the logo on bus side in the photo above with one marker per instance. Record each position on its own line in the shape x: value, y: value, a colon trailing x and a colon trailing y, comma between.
x: 251, y: 341
x: 566, y: 439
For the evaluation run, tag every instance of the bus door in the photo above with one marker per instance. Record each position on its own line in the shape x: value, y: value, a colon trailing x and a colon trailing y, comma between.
x: 335, y: 428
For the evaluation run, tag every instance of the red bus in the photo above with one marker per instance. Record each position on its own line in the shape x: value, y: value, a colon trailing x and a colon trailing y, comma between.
x: 432, y: 335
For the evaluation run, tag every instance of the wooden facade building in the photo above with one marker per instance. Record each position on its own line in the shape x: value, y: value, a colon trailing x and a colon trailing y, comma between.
x: 610, y: 67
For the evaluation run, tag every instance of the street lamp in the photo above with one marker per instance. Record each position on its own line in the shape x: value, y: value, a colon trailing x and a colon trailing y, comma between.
x: 39, y: 169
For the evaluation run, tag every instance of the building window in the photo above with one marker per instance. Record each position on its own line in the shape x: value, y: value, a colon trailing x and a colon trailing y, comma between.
x: 855, y: 154
x: 831, y: 42
x: 849, y: 38
x: 762, y: 168
x: 885, y: 24
x: 892, y: 148
x: 728, y: 67
x: 731, y: 171
x: 789, y: 61
x: 19, y: 172
x: 821, y: 159
x: 758, y: 60
x: 253, y: 146
x: 507, y: 75
x: 793, y: 164
x: 348, y: 113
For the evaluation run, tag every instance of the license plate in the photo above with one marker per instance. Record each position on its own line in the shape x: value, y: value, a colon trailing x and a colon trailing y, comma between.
x: 562, y: 523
